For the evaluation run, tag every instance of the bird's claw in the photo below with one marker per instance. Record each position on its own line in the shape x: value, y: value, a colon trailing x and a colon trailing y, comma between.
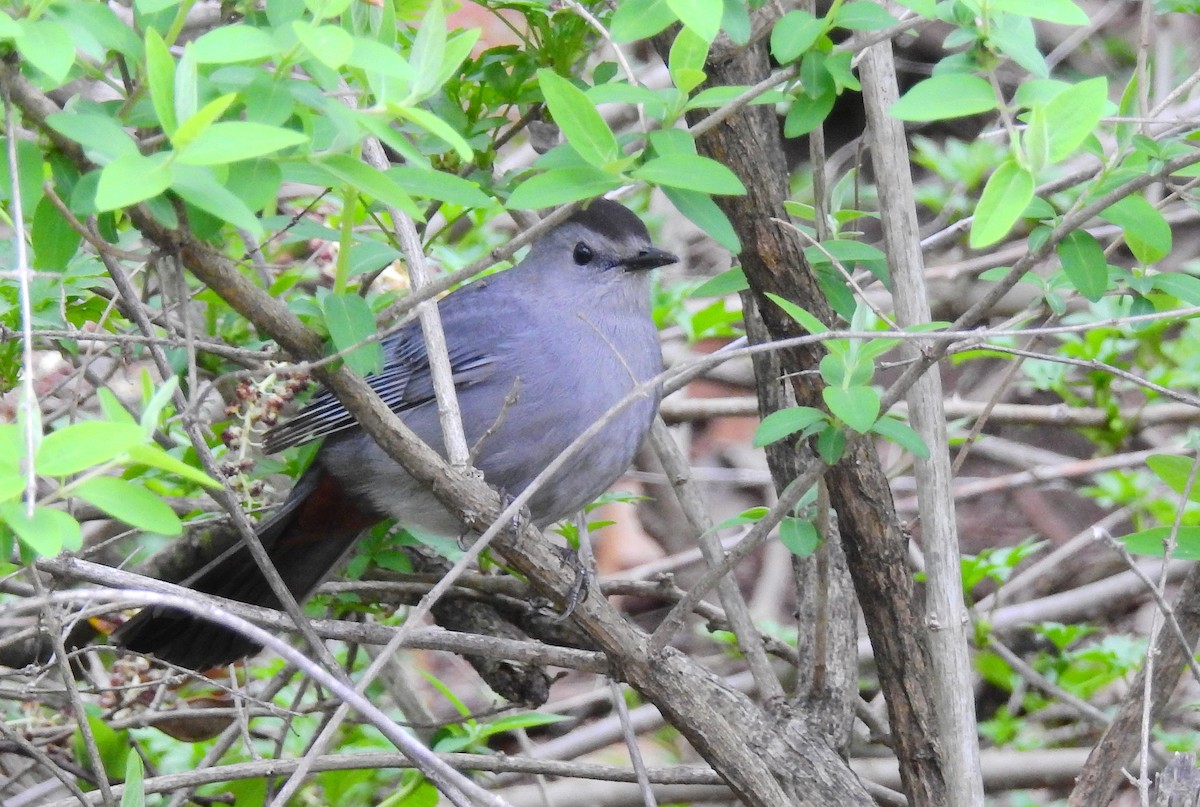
x: 580, y: 586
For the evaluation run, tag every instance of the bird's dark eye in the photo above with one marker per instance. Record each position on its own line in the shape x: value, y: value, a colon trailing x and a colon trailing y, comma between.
x: 582, y: 254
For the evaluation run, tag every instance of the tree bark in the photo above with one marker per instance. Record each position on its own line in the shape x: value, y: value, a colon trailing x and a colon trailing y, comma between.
x: 750, y: 144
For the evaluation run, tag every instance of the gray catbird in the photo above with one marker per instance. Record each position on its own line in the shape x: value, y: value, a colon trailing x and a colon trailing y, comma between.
x: 539, y: 353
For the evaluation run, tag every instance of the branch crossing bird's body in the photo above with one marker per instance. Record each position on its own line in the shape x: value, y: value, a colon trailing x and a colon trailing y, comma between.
x: 538, y: 353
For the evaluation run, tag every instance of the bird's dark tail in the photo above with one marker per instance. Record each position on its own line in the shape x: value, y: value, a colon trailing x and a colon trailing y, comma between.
x: 304, y: 542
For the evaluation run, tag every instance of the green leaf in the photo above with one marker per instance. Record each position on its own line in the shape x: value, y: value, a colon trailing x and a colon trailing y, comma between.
x: 579, y: 121
x: 457, y: 49
x: 1151, y: 542
x: 155, y: 457
x: 84, y: 445
x: 1007, y: 193
x: 155, y: 406
x: 750, y: 516
x: 187, y: 90
x: 230, y: 44
x: 1147, y: 233
x: 1174, y: 471
x: 1177, y: 284
x: 702, y: 211
x: 130, y: 503
x: 799, y: 536
x: 702, y: 16
x: 795, y: 34
x: 900, y: 433
x: 1063, y: 12
x: 428, y: 50
x: 807, y: 113
x: 1084, y: 263
x: 807, y: 321
x: 561, y: 185
x: 786, y: 422
x: 731, y: 281
x: 160, y: 75
x: 863, y: 16
x: 134, y: 794
x: 952, y: 95
x: 639, y: 19
x: 690, y: 172
x: 131, y: 179
x: 54, y: 240
x: 47, y: 533
x: 102, y: 138
x: 328, y: 44
x: 438, y: 127
x: 686, y: 61
x: 194, y: 124
x: 857, y: 407
x: 831, y: 445
x: 198, y: 186
x: 1073, y: 114
x: 367, y: 180
x: 350, y: 321
x: 234, y: 141
x: 47, y: 45
x: 431, y: 184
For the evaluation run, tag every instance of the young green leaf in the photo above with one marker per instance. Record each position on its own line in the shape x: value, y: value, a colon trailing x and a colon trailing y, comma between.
x: 952, y: 95
x: 131, y: 179
x: 131, y: 503
x: 857, y: 407
x: 1063, y: 12
x: 578, y: 120
x: 731, y: 281
x: 328, y: 44
x: 1005, y: 196
x: 690, y: 172
x: 902, y: 435
x: 640, y: 19
x: 153, y: 456
x: 231, y: 44
x: 863, y: 16
x: 786, y: 422
x: 794, y: 33
x: 350, y: 321
x: 1084, y: 263
x: 807, y: 321
x: 702, y: 16
x: 686, y: 61
x: 369, y: 181
x: 47, y: 533
x: 1152, y: 542
x: 233, y: 141
x: 160, y: 75
x: 1073, y: 114
x: 47, y: 45
x: 1147, y: 233
x: 85, y: 445
x: 799, y: 535
x: 561, y: 185
x: 701, y: 210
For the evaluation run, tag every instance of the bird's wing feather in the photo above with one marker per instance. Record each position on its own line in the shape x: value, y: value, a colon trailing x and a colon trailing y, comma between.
x: 404, y: 384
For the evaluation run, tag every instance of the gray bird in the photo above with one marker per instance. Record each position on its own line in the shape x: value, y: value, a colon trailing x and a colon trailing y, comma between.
x: 539, y: 353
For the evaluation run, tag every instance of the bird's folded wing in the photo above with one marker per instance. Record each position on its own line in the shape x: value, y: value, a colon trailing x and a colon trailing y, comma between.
x: 404, y: 384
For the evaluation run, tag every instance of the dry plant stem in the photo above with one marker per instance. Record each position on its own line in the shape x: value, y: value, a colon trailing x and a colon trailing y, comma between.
x: 736, y: 610
x: 43, y: 759
x: 788, y: 499
x: 431, y: 322
x: 467, y: 762
x: 946, y: 616
x: 875, y: 546
x: 452, y: 784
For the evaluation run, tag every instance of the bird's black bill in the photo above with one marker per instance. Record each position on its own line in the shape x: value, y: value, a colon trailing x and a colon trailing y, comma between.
x: 648, y: 258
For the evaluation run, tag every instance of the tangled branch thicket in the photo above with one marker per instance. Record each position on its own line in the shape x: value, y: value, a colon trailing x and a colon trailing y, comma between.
x: 925, y: 537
